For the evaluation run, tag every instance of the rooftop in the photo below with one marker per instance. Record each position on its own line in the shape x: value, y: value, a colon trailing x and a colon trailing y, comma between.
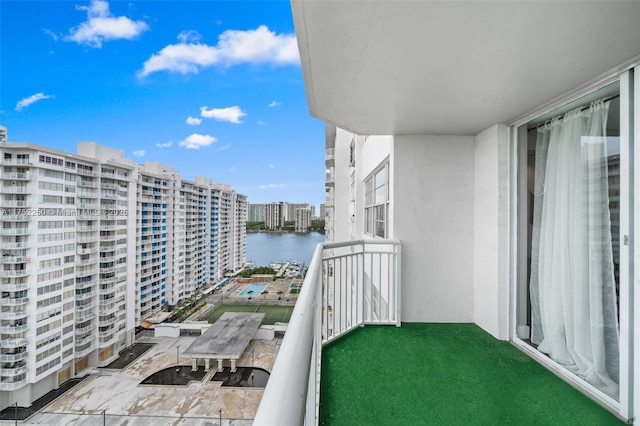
x: 118, y: 392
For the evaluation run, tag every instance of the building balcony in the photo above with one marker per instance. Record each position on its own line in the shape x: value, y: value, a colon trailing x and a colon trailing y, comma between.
x: 341, y: 363
x: 14, y: 287
x: 14, y: 343
x: 86, y: 250
x: 15, y: 259
x: 85, y: 315
x: 13, y: 357
x: 87, y: 172
x: 18, y: 301
x: 15, y: 371
x: 87, y: 238
x: 15, y: 231
x: 16, y: 161
x: 86, y: 284
x: 88, y: 348
x: 15, y: 203
x: 9, y: 273
x: 15, y: 189
x: 13, y: 329
x: 17, y: 176
x: 9, y: 385
x: 13, y: 315
x: 15, y: 218
x: 85, y: 296
x: 13, y: 245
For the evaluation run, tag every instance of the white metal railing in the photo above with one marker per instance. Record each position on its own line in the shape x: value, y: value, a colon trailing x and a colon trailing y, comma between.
x: 348, y: 285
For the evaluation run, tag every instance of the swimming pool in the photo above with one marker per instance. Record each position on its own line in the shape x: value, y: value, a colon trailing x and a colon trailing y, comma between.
x: 253, y: 290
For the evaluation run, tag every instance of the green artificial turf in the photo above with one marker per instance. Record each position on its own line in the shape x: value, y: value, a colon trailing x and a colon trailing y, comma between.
x: 272, y: 315
x: 443, y: 374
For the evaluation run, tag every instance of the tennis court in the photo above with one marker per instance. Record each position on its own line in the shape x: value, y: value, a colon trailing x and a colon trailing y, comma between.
x: 272, y: 315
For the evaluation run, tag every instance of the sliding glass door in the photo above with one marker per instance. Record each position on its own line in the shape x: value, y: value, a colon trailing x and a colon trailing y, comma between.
x: 572, y: 302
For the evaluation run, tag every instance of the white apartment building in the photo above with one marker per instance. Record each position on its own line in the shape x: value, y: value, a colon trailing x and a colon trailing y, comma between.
x: 226, y: 229
x: 302, y: 219
x: 91, y: 245
x: 66, y: 260
x: 257, y: 212
x: 496, y: 143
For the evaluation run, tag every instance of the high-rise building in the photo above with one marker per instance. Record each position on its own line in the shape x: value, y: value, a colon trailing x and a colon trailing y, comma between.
x: 93, y: 244
x: 257, y: 212
x: 274, y: 215
x: 303, y: 219
x: 67, y: 256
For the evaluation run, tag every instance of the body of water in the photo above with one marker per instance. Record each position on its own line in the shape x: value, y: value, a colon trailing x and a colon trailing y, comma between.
x: 264, y: 248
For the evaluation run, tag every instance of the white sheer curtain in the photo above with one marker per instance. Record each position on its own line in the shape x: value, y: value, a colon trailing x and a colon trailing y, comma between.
x: 572, y: 287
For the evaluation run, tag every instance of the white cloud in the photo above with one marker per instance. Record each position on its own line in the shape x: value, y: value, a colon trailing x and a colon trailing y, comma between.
x: 139, y: 153
x: 165, y: 144
x: 274, y: 104
x: 194, y: 121
x: 272, y: 166
x: 232, y: 114
x: 272, y: 186
x: 31, y: 100
x: 261, y: 123
x: 189, y: 36
x: 223, y: 148
x: 259, y: 46
x: 196, y: 141
x: 53, y: 35
x: 101, y: 26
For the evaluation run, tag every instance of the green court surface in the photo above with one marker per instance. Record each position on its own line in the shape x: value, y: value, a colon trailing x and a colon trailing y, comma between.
x: 272, y: 315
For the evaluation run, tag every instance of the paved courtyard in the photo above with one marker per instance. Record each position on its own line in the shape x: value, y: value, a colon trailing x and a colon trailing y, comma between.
x: 114, y: 397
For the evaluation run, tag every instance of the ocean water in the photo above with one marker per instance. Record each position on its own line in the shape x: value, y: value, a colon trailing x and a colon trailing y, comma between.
x: 264, y: 248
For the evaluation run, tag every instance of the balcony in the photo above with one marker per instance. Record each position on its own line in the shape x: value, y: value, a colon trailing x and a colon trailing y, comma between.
x: 14, y: 343
x: 17, y: 176
x: 417, y: 373
x: 14, y: 245
x: 15, y: 189
x: 15, y: 218
x: 13, y: 356
x: 13, y: 329
x: 15, y: 231
x: 11, y: 372
x: 16, y: 301
x: 10, y: 384
x: 14, y: 287
x: 9, y: 273
x: 15, y: 259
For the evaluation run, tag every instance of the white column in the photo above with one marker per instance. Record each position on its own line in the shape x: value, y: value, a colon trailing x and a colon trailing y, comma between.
x: 194, y: 364
x: 220, y: 365
x: 206, y: 364
x: 233, y: 365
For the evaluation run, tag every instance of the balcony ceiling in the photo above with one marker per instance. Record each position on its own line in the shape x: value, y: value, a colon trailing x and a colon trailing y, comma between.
x: 438, y: 67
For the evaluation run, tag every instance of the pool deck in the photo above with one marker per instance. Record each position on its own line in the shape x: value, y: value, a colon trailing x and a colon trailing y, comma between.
x: 124, y: 402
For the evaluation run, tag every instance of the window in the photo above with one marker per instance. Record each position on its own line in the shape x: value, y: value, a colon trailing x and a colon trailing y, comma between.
x: 377, y: 202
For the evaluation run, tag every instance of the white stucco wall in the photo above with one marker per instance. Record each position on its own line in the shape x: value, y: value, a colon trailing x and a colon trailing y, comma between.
x: 491, y: 232
x: 341, y: 189
x: 433, y: 206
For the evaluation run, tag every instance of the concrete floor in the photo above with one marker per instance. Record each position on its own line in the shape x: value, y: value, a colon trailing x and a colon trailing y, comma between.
x: 124, y: 402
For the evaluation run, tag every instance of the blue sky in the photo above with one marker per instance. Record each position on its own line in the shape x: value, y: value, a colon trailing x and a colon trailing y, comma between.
x: 212, y: 88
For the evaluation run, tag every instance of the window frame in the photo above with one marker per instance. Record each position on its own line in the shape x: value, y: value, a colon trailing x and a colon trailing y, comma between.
x: 376, y: 202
